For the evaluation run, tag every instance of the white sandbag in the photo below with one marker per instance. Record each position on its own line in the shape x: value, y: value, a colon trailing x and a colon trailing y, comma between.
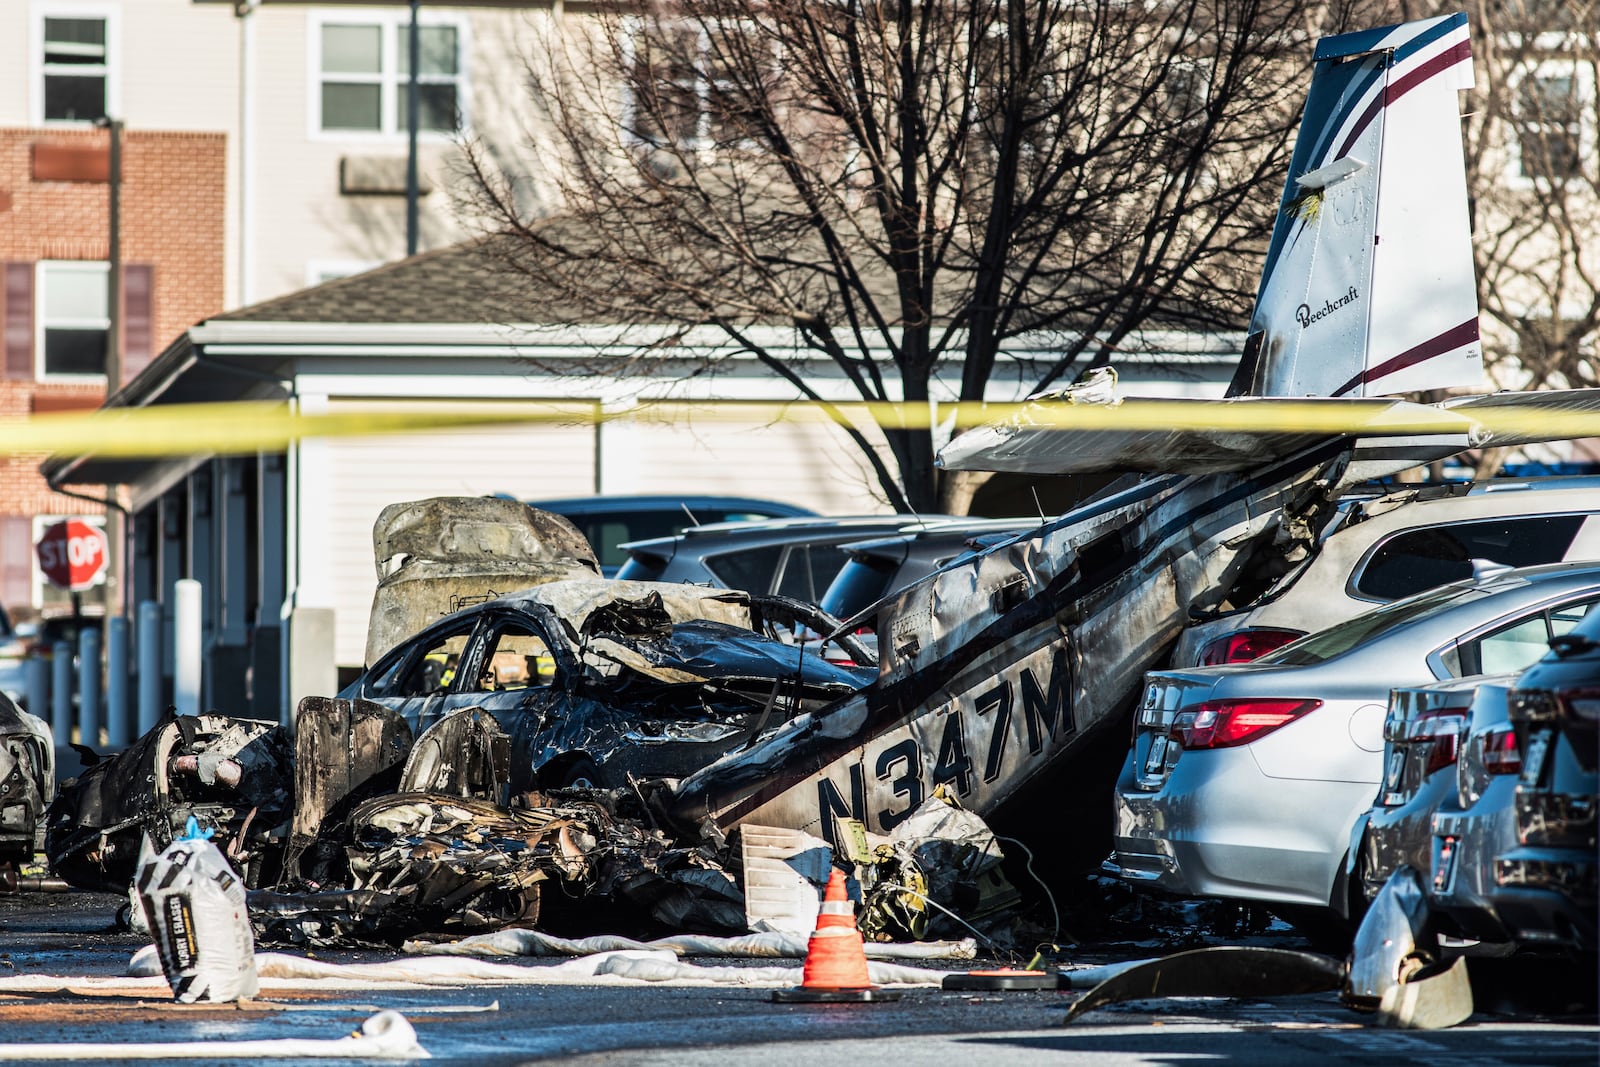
x: 195, y: 906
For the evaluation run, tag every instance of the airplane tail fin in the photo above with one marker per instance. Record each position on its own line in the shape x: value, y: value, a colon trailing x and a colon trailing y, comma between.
x: 1368, y: 287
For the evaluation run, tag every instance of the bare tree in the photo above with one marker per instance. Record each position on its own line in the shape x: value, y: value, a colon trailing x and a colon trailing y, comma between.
x: 1534, y: 174
x: 902, y: 186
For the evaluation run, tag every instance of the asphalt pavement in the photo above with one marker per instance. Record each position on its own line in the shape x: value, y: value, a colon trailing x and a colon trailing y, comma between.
x: 486, y: 1024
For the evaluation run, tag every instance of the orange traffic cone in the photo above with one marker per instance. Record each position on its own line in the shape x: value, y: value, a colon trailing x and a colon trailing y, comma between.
x: 836, y: 958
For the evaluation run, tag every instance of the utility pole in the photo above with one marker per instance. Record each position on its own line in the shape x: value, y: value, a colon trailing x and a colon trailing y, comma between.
x: 113, y: 518
x: 413, y: 105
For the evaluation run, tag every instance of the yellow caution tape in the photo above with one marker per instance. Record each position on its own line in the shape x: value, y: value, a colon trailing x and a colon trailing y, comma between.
x: 246, y: 427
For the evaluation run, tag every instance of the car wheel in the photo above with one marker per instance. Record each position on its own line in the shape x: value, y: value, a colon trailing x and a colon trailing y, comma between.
x: 570, y: 772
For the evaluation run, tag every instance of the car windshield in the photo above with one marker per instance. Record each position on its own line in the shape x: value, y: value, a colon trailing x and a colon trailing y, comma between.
x: 1338, y: 639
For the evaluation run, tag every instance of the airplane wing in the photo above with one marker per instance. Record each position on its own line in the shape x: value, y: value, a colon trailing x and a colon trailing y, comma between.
x: 1178, y: 436
x: 1215, y: 436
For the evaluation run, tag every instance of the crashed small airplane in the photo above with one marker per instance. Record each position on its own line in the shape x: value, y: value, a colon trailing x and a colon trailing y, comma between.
x: 997, y: 669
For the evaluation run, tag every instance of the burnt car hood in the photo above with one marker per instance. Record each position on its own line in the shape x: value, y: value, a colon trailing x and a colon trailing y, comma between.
x: 715, y: 651
x: 438, y: 555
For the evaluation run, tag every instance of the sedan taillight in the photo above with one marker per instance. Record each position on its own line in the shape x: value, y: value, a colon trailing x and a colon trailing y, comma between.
x: 1226, y: 723
x: 1244, y: 645
x: 1441, y: 731
x: 1500, y: 752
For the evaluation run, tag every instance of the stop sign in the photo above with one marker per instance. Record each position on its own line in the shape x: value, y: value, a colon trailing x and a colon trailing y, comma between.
x: 72, y: 554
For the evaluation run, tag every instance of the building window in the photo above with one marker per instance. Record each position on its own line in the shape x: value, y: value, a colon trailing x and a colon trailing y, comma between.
x: 74, y: 319
x: 75, y: 69
x: 1550, y: 126
x: 364, y: 66
x: 682, y: 90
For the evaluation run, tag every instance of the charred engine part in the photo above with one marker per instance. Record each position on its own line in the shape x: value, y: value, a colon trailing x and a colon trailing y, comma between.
x: 942, y: 861
x: 346, y: 752
x: 1225, y: 971
x: 234, y: 776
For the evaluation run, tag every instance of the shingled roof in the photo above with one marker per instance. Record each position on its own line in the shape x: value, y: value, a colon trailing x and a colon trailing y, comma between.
x: 462, y: 283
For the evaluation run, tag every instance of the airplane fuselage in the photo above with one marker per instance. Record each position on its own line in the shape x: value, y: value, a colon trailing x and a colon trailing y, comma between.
x: 997, y: 668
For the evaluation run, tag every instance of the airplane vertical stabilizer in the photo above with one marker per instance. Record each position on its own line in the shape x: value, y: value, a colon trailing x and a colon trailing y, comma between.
x: 1368, y: 287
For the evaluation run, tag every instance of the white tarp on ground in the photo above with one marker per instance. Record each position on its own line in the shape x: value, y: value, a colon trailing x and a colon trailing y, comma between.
x: 385, y: 1036
x: 769, y: 945
x: 656, y: 967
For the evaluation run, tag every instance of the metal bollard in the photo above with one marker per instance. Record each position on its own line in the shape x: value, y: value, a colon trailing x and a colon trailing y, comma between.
x: 61, y: 693
x: 117, y: 683
x: 37, y: 677
x: 150, y: 706
x: 89, y: 688
x: 186, y: 637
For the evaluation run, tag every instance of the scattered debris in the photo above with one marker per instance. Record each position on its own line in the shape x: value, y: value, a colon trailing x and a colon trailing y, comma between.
x: 1395, y: 966
x: 234, y: 776
x: 1224, y: 971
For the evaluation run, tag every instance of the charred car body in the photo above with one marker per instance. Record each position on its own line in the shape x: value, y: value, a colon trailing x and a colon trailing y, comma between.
x: 596, y: 681
x: 27, y: 784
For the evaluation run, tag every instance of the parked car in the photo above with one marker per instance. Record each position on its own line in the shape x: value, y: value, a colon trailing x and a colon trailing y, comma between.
x: 610, y: 521
x: 1430, y: 730
x: 596, y: 680
x: 1376, y: 550
x: 1545, y: 888
x: 875, y: 568
x: 1244, y: 780
x: 1476, y: 821
x: 792, y: 557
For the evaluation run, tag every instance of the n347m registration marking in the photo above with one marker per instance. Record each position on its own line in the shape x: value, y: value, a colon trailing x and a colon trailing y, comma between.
x: 988, y: 722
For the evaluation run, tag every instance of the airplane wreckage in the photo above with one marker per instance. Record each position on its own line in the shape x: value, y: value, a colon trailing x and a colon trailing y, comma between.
x: 995, y: 673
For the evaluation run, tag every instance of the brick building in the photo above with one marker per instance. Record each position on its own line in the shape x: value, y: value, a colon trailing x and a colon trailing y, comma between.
x: 55, y: 311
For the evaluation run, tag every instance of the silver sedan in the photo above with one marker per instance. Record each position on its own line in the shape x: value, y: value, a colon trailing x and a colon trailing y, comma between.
x: 1244, y: 781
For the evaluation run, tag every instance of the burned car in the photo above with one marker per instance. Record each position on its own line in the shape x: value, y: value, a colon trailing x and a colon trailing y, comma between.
x: 598, y: 681
x: 234, y: 776
x: 27, y: 783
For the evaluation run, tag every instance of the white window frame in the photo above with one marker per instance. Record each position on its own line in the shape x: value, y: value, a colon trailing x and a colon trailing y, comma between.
x: 701, y: 142
x: 43, y: 9
x: 99, y: 267
x: 1554, y: 67
x: 392, y: 26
